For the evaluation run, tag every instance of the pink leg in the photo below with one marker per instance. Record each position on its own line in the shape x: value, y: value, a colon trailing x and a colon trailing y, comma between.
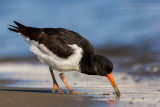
x: 68, y: 87
x: 55, y: 86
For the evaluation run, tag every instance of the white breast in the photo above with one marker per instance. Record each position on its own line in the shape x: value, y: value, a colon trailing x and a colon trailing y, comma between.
x: 55, y: 62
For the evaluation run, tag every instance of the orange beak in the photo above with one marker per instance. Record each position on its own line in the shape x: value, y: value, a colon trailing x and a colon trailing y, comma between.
x: 110, y: 78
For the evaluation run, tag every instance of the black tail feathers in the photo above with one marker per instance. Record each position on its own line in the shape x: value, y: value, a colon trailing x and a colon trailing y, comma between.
x: 17, y: 28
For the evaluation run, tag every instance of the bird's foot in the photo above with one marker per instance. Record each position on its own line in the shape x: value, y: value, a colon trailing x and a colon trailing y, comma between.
x: 55, y: 87
x: 73, y: 92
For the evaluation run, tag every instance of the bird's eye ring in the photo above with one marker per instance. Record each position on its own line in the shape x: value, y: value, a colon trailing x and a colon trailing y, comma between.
x: 104, y: 67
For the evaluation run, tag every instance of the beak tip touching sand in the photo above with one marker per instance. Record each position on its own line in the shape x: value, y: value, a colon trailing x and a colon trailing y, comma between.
x: 110, y: 78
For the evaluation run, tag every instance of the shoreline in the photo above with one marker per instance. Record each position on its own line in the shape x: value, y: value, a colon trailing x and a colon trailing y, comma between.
x: 30, y: 97
x: 23, y: 84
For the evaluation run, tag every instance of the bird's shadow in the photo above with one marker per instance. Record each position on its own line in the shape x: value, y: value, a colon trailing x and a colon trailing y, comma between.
x: 31, y: 90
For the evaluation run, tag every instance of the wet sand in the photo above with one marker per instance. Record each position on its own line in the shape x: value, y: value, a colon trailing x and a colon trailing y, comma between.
x: 136, y: 90
x: 28, y: 97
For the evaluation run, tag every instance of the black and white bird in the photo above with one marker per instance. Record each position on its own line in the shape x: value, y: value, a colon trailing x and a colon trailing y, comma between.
x: 65, y: 50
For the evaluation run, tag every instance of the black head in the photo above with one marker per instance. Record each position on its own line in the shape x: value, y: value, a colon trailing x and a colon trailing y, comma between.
x: 103, y: 65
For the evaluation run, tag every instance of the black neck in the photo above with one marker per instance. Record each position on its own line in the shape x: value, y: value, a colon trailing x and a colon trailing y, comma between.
x: 88, y: 65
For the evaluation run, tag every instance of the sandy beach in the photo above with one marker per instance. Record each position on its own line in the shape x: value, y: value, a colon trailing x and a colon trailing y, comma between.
x: 31, y: 95
x: 125, y: 31
x: 23, y: 97
x: 20, y: 86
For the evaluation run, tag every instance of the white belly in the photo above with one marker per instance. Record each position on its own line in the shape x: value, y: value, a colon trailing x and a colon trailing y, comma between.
x: 55, y: 62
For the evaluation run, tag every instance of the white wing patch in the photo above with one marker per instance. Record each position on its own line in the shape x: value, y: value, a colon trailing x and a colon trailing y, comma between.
x: 55, y: 62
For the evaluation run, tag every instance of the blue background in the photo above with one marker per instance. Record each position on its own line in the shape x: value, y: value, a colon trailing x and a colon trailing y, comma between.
x: 103, y: 23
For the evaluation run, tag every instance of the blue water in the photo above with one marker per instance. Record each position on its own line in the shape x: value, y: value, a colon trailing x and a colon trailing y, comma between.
x: 101, y: 22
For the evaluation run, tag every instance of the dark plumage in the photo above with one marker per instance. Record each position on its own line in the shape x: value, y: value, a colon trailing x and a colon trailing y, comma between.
x: 57, y: 40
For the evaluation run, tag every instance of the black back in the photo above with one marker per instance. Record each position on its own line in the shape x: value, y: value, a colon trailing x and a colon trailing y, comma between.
x: 56, y: 40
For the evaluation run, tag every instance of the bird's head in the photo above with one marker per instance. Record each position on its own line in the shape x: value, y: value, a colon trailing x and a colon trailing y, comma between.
x: 104, y: 67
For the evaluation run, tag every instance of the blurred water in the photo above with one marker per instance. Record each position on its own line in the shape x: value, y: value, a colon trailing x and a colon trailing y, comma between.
x: 101, y: 22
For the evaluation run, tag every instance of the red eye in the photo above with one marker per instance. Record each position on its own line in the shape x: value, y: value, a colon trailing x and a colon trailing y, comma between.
x: 104, y: 67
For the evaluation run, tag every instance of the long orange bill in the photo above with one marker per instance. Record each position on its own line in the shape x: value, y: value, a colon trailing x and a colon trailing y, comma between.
x: 110, y: 78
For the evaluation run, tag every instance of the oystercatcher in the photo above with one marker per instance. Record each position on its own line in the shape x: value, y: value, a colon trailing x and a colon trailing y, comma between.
x: 65, y: 50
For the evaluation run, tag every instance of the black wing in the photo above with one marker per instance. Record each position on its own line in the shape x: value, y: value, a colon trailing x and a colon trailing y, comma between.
x: 49, y: 37
x: 57, y: 40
